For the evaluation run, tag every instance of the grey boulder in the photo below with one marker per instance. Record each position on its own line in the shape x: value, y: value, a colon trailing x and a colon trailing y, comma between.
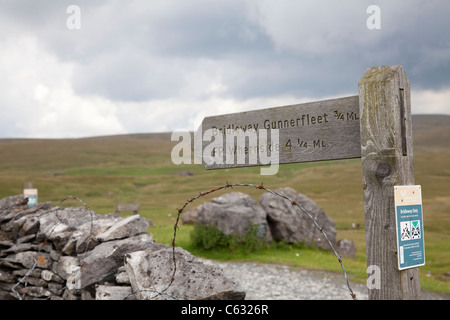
x: 150, y: 272
x: 234, y: 213
x: 289, y: 223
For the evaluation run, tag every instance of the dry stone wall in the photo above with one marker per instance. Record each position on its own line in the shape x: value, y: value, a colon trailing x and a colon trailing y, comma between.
x: 73, y: 253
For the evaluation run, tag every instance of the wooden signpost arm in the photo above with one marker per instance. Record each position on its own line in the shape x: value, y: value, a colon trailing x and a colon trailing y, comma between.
x: 387, y: 161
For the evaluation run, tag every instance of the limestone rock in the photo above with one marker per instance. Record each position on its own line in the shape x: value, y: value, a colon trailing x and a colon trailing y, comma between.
x: 12, y: 204
x: 127, y: 227
x: 104, y: 292
x: 150, y: 272
x: 66, y: 266
x: 30, y: 259
x: 234, y: 213
x: 189, y: 216
x: 346, y: 248
x: 76, y: 254
x: 289, y: 223
x: 102, y: 263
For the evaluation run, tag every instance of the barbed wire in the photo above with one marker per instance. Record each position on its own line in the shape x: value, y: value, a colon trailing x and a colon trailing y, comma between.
x: 173, y: 242
x: 260, y: 187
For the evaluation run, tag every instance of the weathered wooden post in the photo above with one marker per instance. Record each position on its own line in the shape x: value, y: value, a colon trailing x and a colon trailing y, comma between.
x: 387, y: 161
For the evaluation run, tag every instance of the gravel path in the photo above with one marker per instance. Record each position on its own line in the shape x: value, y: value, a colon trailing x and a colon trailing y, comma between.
x: 281, y: 282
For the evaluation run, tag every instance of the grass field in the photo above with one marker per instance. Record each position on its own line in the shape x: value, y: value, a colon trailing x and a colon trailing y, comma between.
x: 138, y: 168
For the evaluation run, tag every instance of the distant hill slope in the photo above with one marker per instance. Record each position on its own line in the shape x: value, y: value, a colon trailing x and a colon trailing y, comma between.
x: 431, y: 132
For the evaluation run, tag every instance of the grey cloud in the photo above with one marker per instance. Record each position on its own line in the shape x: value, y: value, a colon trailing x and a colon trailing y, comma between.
x: 145, y: 51
x: 144, y: 54
x: 412, y: 33
x: 128, y: 77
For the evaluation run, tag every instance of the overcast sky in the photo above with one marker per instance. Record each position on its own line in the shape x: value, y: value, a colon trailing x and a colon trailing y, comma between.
x: 151, y: 66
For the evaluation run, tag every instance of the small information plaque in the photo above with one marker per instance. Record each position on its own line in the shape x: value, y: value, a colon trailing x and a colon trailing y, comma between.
x: 32, y: 195
x: 409, y: 222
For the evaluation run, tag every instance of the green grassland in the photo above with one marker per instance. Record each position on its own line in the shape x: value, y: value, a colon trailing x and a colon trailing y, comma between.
x: 137, y: 168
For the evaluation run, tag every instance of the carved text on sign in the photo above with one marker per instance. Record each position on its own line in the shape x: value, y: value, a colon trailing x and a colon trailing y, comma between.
x: 323, y: 130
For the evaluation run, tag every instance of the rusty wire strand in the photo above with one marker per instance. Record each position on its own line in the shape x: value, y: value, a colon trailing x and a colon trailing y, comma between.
x: 180, y: 211
x: 260, y: 187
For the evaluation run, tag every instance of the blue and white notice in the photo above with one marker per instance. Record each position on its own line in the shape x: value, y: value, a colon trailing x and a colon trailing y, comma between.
x: 409, y: 221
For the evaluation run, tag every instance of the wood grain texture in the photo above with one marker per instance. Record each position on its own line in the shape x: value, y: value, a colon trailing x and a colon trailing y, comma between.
x: 387, y: 160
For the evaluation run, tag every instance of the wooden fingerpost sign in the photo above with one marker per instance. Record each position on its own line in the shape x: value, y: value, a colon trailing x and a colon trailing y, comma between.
x: 315, y: 131
x: 375, y: 125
